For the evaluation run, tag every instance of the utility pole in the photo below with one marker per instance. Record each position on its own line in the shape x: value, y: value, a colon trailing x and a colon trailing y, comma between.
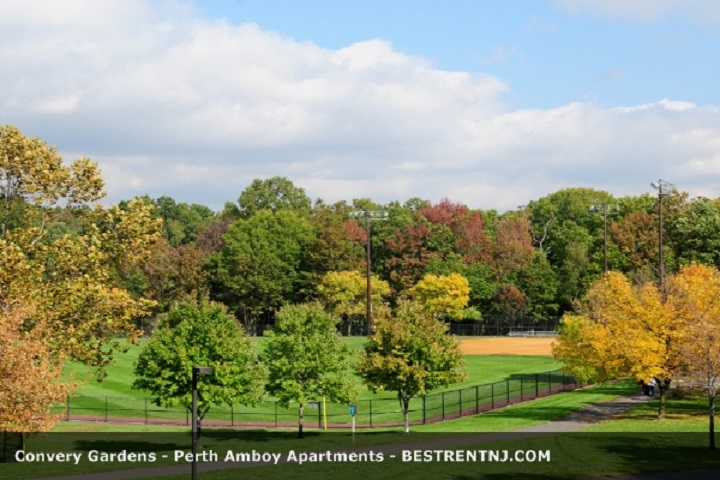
x: 603, y: 208
x: 369, y: 215
x: 665, y: 189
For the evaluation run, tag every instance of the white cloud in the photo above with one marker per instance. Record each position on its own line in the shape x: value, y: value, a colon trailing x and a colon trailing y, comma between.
x: 704, y: 12
x: 171, y: 104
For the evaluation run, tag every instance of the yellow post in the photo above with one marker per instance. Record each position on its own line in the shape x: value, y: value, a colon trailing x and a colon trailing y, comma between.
x: 324, y: 414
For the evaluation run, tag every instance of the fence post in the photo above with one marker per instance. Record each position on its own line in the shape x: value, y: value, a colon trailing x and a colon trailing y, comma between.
x: 370, y: 410
x: 492, y: 396
x: 232, y: 415
x: 276, y: 414
x: 106, y: 408
x: 67, y: 408
x: 424, y: 410
x: 522, y: 387
x: 187, y: 417
x: 477, y: 399
x: 443, y: 405
x: 319, y: 404
x: 507, y: 390
x: 146, y: 412
x: 460, y: 402
x: 537, y: 391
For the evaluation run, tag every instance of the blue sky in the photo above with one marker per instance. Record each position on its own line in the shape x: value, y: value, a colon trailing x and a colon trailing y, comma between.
x: 489, y: 103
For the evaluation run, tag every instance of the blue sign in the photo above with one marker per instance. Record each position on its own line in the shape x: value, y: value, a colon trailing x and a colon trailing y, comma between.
x: 353, y: 410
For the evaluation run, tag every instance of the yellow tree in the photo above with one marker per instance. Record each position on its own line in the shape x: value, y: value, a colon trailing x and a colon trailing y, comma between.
x: 31, y: 381
x: 622, y: 330
x: 411, y: 354
x: 443, y: 295
x: 344, y: 294
x: 695, y: 293
x: 68, y: 273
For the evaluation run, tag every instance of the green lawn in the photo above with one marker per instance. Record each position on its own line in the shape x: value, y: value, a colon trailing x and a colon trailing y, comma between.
x: 113, y: 397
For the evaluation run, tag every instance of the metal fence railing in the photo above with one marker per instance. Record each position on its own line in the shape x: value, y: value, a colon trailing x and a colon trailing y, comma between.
x: 370, y: 413
x: 501, y: 325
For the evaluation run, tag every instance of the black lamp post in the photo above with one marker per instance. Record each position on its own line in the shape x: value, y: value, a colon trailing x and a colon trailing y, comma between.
x: 196, y: 372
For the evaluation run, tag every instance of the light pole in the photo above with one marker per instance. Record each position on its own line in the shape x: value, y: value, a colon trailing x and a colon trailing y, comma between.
x: 665, y: 189
x: 369, y: 215
x: 604, y: 209
x: 196, y: 372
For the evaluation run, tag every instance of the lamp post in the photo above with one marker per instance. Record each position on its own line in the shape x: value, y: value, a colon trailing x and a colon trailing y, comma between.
x: 664, y: 189
x: 369, y: 215
x: 196, y: 372
x: 603, y: 208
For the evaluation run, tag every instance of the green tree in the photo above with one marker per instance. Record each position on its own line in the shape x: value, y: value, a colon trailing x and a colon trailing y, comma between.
x: 258, y: 269
x: 411, y: 354
x: 274, y: 194
x: 306, y: 359
x: 200, y: 334
x: 697, y: 232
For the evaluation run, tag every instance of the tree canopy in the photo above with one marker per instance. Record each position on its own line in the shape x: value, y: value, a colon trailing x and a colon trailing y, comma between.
x: 411, y: 354
x: 306, y: 359
x: 202, y: 334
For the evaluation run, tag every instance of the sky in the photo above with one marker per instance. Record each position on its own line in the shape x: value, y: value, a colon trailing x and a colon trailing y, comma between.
x: 490, y: 103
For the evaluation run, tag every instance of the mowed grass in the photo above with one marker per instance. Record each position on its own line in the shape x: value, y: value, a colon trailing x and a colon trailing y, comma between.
x: 114, y: 397
x: 481, y: 369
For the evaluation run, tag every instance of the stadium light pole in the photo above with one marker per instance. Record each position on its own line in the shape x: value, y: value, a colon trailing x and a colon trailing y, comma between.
x: 603, y: 208
x: 665, y: 189
x: 196, y: 372
x: 369, y: 215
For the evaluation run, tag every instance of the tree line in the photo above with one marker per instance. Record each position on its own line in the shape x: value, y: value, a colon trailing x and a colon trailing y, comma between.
x: 274, y: 247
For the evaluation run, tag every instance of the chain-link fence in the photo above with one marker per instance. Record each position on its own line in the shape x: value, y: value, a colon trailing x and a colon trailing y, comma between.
x: 502, y: 325
x: 370, y: 413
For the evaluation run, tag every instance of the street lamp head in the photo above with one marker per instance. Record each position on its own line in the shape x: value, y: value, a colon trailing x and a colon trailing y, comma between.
x: 655, y: 185
x: 202, y: 370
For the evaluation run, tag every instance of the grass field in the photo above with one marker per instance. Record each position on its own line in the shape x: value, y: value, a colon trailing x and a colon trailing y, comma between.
x: 113, y: 397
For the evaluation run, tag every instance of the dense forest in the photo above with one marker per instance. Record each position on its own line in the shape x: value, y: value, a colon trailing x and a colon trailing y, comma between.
x: 84, y: 265
x: 273, y: 246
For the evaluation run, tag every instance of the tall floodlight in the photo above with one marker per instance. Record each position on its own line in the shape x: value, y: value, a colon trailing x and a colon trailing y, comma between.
x: 605, y: 210
x: 369, y: 216
x: 665, y: 189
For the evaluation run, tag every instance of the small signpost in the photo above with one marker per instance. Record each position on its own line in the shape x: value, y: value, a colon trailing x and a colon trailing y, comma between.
x: 353, y: 412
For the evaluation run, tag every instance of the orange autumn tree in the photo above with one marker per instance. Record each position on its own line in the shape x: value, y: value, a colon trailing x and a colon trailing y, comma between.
x: 622, y: 330
x: 695, y: 293
x: 31, y: 381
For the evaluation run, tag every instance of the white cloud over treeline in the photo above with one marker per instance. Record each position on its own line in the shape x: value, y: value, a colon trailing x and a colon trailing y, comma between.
x: 169, y: 102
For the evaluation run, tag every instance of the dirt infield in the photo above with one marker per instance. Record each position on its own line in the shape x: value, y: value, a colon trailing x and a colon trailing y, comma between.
x: 507, y: 346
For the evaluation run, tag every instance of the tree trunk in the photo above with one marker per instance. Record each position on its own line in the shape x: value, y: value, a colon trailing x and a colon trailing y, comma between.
x: 711, y: 398
x: 405, y: 406
x: 664, y: 387
x: 301, y: 420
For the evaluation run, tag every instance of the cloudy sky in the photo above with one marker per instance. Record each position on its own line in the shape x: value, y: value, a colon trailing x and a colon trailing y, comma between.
x: 487, y: 102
